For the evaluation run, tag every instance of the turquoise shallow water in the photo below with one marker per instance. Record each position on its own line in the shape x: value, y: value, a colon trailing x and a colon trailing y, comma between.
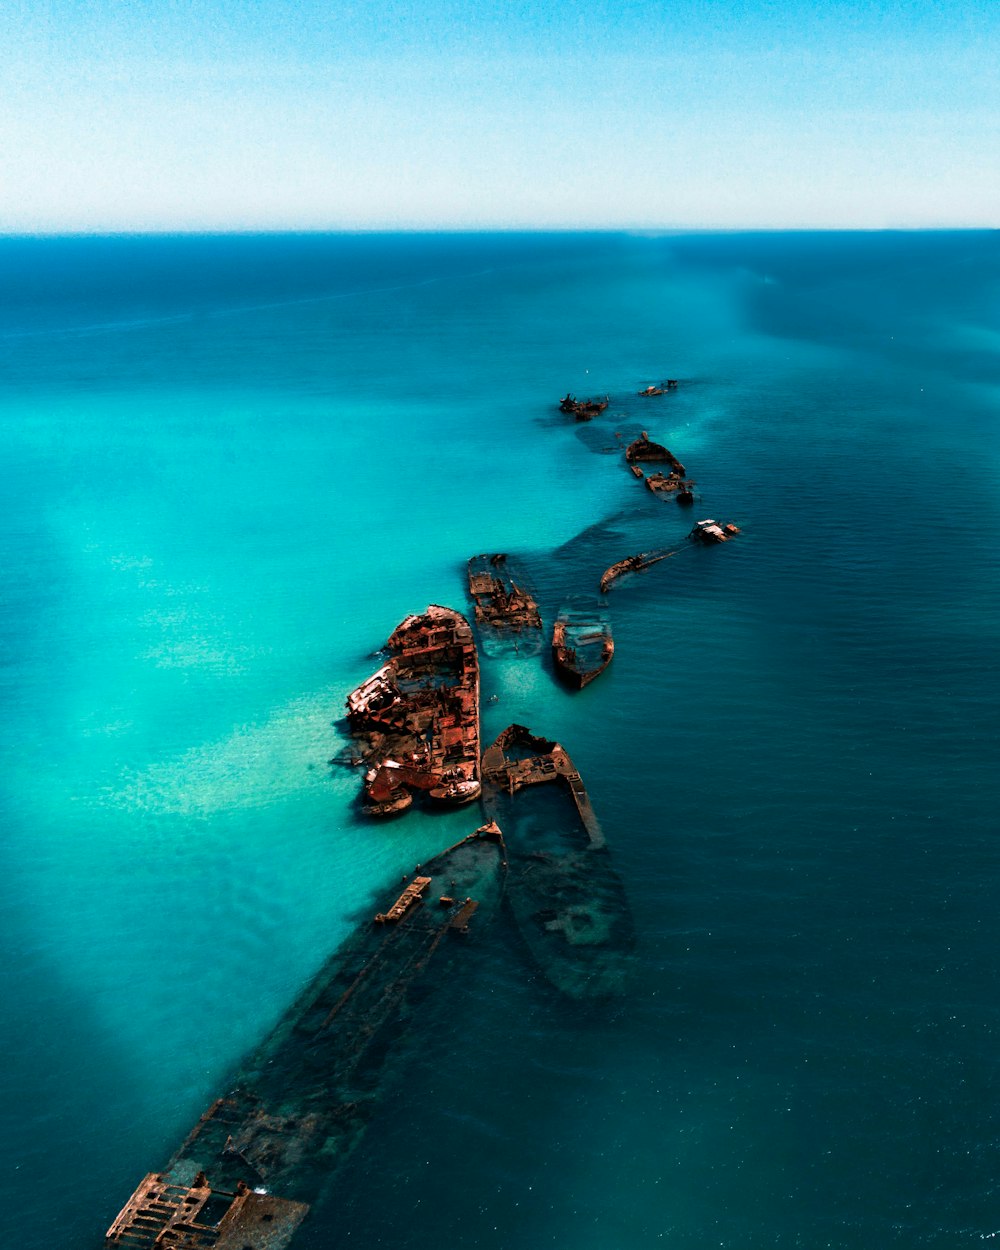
x: 232, y: 466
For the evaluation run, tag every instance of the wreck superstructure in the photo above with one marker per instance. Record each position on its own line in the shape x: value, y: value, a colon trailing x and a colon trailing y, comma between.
x: 506, y: 611
x: 582, y: 644
x: 245, y: 1175
x: 568, y: 901
x: 418, y: 716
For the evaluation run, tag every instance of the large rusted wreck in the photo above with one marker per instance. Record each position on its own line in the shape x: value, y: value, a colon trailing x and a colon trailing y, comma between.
x: 631, y: 564
x: 506, y: 611
x: 567, y: 899
x: 418, y: 716
x: 643, y: 450
x: 583, y: 409
x: 301, y: 1101
x: 582, y: 645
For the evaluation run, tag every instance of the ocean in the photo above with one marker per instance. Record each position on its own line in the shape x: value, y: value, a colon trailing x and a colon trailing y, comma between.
x: 234, y: 463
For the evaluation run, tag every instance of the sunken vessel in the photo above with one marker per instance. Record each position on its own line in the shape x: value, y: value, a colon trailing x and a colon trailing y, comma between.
x: 710, y: 532
x: 582, y: 645
x: 643, y: 450
x: 417, y: 718
x: 567, y: 900
x: 631, y: 564
x: 583, y: 409
x: 506, y: 611
x: 246, y: 1174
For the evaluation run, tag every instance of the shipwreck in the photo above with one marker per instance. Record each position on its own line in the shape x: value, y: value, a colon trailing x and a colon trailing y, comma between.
x: 245, y: 1176
x: 417, y: 718
x: 709, y: 532
x: 567, y: 900
x: 506, y: 612
x: 643, y: 450
x: 631, y: 564
x: 583, y: 409
x: 582, y: 644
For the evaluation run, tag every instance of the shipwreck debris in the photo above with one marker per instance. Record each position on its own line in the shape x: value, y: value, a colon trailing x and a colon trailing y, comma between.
x: 568, y: 901
x: 582, y: 645
x: 418, y: 716
x: 301, y: 1101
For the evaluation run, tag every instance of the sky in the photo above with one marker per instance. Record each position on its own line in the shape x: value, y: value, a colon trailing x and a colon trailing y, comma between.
x: 143, y: 115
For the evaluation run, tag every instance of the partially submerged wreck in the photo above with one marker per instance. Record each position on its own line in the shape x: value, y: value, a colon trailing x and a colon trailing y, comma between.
x: 583, y: 409
x: 668, y: 483
x: 669, y: 385
x: 643, y: 451
x: 418, y: 716
x: 709, y: 532
x: 582, y: 645
x: 631, y: 564
x: 506, y: 612
x: 301, y: 1101
x: 568, y: 901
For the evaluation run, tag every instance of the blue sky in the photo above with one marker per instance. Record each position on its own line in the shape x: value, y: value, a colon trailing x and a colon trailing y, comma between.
x: 182, y: 114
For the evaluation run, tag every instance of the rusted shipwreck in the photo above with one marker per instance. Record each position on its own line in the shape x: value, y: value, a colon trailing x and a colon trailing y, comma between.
x: 709, y: 532
x: 417, y: 718
x: 643, y: 450
x: 567, y: 900
x: 583, y: 409
x: 669, y: 385
x: 631, y: 564
x: 670, y: 483
x: 246, y: 1174
x: 506, y: 612
x: 582, y: 644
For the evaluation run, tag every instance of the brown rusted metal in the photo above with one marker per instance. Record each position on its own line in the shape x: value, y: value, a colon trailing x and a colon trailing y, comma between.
x: 418, y: 716
x: 506, y: 611
x: 643, y: 450
x: 709, y: 532
x: 583, y: 409
x: 631, y: 564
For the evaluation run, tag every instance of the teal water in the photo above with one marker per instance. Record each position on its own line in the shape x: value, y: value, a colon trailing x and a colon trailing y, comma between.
x: 234, y: 464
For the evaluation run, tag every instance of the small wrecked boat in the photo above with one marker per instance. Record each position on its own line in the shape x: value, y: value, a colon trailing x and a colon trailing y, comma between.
x: 583, y: 409
x: 261, y: 1154
x: 567, y: 900
x: 582, y: 645
x: 709, y: 532
x: 631, y: 564
x: 506, y: 612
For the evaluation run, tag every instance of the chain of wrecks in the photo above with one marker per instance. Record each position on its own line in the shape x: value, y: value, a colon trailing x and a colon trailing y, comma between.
x: 245, y: 1176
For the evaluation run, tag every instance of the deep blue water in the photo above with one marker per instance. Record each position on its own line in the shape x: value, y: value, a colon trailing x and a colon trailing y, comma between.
x: 233, y: 464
